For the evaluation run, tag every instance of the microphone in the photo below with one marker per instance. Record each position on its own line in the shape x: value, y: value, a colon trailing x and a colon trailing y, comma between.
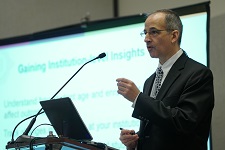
x: 24, y: 137
x: 102, y: 55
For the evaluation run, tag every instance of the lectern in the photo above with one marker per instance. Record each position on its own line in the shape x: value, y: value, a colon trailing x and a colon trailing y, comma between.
x: 69, y: 126
x: 52, y: 143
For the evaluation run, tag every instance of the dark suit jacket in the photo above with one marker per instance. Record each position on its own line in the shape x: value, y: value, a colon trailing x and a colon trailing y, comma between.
x: 180, y: 116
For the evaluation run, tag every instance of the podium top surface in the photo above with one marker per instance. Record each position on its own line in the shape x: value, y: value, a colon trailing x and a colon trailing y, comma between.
x: 59, y: 141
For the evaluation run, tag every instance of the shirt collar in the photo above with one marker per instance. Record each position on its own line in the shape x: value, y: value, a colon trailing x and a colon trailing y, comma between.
x: 169, y: 63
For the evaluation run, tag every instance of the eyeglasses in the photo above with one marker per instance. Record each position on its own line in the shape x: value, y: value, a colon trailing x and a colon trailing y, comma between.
x: 151, y: 32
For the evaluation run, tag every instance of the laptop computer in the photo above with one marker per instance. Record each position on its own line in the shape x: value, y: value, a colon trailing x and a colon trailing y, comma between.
x: 65, y: 119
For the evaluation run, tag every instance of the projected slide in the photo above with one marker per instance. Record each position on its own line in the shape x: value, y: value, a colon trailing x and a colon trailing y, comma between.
x: 34, y: 71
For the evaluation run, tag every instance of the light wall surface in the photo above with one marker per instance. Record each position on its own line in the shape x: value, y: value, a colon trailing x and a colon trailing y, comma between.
x: 31, y: 16
x: 26, y: 17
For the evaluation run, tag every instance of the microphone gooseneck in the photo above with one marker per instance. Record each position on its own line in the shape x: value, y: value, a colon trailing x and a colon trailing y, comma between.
x: 21, y: 138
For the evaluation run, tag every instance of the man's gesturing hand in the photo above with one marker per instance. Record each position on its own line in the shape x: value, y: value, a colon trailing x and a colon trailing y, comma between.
x: 127, y: 88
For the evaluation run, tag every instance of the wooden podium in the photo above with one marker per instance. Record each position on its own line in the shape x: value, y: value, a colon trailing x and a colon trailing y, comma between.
x: 51, y: 143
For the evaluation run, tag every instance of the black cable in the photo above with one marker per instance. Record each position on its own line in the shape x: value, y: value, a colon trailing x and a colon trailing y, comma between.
x: 33, y: 140
x: 12, y: 140
x: 39, y: 126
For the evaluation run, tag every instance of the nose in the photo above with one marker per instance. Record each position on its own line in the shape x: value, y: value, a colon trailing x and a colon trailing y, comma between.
x: 147, y: 38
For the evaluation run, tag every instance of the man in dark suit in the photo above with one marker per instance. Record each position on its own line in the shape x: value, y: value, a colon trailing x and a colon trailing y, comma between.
x: 175, y: 109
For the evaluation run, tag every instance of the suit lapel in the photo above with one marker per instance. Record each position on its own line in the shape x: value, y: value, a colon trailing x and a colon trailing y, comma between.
x: 149, y: 84
x: 172, y: 75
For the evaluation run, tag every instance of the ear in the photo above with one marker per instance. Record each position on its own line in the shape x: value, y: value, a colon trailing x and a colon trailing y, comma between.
x: 174, y: 36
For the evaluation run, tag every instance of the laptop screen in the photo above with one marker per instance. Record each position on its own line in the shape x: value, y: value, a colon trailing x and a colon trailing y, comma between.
x: 65, y: 119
